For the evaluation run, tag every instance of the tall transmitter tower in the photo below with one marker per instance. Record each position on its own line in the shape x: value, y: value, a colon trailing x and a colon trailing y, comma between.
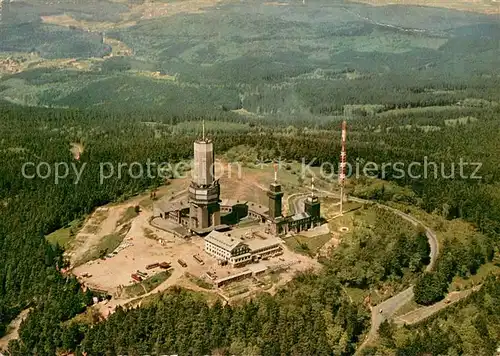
x: 343, y: 160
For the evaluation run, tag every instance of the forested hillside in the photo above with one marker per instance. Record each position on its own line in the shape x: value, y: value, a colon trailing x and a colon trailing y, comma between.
x: 130, y: 81
x: 32, y: 208
x: 270, y: 58
x: 470, y: 327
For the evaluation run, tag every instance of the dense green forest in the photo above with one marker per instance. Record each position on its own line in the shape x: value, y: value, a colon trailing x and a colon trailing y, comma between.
x: 288, y: 60
x: 414, y: 83
x: 32, y: 208
x: 393, y: 250
x: 470, y: 327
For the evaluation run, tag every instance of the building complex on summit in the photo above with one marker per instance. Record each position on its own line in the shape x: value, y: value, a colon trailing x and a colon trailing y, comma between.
x: 204, y: 211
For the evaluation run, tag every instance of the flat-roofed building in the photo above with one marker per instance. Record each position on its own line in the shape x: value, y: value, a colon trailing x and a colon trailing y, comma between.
x: 263, y: 247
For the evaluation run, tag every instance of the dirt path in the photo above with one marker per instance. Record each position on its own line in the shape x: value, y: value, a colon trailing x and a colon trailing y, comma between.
x: 176, y: 278
x: 13, y: 329
x: 85, y: 241
x: 94, y: 229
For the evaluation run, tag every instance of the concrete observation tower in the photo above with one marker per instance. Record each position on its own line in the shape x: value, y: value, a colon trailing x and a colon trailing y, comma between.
x: 204, y: 191
x: 275, y: 195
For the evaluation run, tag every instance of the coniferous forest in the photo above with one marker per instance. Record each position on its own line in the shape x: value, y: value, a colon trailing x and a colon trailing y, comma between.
x: 131, y: 81
x: 311, y: 315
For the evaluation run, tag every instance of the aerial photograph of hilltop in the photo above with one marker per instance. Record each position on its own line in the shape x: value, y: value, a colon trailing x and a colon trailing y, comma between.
x: 231, y: 177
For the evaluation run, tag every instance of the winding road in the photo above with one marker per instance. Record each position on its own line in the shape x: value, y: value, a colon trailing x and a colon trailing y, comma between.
x: 389, y: 307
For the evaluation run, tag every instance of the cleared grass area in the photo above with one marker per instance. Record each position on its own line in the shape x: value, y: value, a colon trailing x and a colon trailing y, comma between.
x: 486, y: 7
x: 408, y: 307
x: 421, y: 110
x: 248, y: 222
x: 129, y: 214
x: 90, y: 316
x: 63, y: 237
x: 445, y: 229
x: 460, y: 283
x: 198, y: 281
x: 354, y: 215
x: 170, y: 188
x: 106, y: 245
x: 149, y: 234
x: 203, y: 297
x: 239, y: 287
x: 307, y: 245
x: 269, y: 279
x: 147, y: 285
x: 95, y: 222
x: 357, y: 294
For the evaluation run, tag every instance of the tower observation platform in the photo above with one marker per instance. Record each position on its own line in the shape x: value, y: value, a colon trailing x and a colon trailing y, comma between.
x: 204, y: 190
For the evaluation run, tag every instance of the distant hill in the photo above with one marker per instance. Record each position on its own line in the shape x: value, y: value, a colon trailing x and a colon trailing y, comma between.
x: 481, y: 6
x: 265, y: 57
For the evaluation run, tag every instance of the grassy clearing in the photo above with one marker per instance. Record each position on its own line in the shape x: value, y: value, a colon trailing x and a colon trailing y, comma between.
x: 110, y: 242
x: 63, y: 237
x: 248, y: 222
x: 355, y: 216
x: 90, y: 316
x: 269, y: 279
x: 421, y: 110
x: 357, y: 295
x: 239, y: 287
x: 307, y: 245
x: 129, y: 214
x: 106, y: 245
x: 149, y: 234
x: 460, y: 283
x: 147, y: 285
x: 408, y: 307
x: 203, y: 297
x: 199, y: 281
x: 94, y: 224
x: 445, y: 229
x: 486, y: 7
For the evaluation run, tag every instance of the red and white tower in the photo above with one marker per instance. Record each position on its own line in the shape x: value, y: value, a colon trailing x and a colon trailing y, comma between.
x: 343, y: 163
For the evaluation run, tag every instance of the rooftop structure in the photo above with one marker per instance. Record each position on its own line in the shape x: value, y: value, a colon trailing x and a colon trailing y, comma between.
x: 238, y: 252
x: 222, y: 240
x: 202, y: 213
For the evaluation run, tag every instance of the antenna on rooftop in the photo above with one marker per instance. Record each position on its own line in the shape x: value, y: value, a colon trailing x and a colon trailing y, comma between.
x: 275, y: 172
x: 312, y: 186
x: 203, y: 129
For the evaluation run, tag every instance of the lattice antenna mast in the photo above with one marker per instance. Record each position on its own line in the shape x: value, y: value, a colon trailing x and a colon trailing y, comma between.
x: 343, y: 160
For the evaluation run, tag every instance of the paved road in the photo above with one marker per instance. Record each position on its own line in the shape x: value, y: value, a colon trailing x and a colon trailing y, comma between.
x: 424, y: 312
x: 388, y: 307
x: 393, y: 304
x: 296, y: 202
